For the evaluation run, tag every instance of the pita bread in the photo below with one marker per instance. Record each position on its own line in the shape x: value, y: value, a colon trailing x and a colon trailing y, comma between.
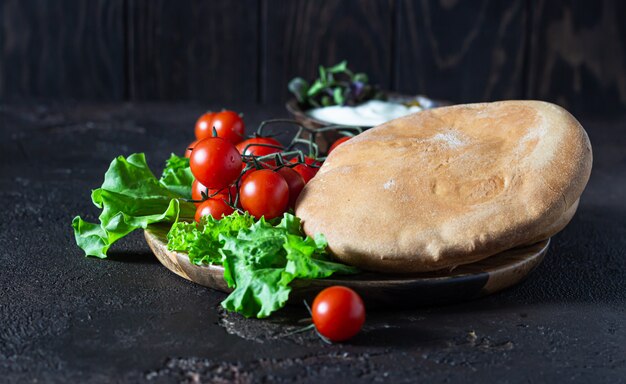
x: 449, y: 186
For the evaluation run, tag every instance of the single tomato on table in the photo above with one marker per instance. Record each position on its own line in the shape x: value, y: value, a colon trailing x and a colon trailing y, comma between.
x: 264, y: 193
x: 215, y: 162
x: 338, y: 313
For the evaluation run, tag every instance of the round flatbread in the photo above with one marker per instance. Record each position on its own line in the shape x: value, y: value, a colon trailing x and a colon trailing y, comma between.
x: 449, y: 186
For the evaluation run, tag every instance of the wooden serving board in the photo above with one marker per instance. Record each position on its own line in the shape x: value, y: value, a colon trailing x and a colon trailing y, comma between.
x: 381, y: 290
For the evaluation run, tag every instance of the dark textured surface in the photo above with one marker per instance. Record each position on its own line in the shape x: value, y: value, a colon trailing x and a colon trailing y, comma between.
x: 572, y: 52
x: 577, y: 54
x: 66, y: 318
x: 193, y: 50
x: 480, y: 58
x: 62, y: 49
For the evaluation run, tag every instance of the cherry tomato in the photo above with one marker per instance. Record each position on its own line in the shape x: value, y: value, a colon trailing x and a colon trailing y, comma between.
x: 216, y: 207
x: 295, y: 183
x: 229, y: 125
x: 305, y: 171
x: 215, y: 162
x: 197, y: 189
x: 264, y: 193
x: 260, y: 150
x: 249, y: 171
x: 190, y: 148
x: 338, y: 313
x: 337, y: 143
x: 204, y: 126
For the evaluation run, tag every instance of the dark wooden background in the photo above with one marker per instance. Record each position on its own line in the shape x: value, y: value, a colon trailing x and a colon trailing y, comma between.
x: 569, y: 52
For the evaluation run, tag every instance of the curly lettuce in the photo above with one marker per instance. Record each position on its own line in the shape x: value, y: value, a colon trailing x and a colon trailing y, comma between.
x: 131, y: 197
x: 260, y: 259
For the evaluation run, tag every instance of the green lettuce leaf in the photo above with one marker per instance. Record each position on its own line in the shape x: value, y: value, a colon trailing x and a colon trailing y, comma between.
x: 258, y: 292
x: 131, y: 197
x: 307, y: 259
x: 260, y: 258
x: 202, y: 242
x: 254, y: 262
x: 177, y: 176
x: 261, y: 261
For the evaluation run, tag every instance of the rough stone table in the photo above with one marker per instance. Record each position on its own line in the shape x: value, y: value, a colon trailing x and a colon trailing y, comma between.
x: 67, y: 318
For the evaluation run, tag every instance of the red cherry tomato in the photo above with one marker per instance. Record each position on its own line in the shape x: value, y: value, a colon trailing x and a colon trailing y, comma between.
x: 260, y: 150
x: 295, y: 183
x: 204, y: 126
x: 216, y: 207
x: 338, y: 313
x: 306, y: 171
x: 337, y: 143
x: 189, y: 148
x: 229, y: 125
x: 215, y: 162
x: 264, y: 193
x: 249, y: 171
x: 197, y: 189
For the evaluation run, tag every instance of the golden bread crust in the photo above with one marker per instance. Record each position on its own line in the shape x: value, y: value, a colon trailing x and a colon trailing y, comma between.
x: 449, y: 186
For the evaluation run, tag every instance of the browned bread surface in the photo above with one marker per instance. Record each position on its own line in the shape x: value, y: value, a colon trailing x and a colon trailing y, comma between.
x: 449, y: 186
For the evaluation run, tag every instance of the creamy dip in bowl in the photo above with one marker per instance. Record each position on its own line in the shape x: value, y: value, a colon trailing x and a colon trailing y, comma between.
x: 366, y: 115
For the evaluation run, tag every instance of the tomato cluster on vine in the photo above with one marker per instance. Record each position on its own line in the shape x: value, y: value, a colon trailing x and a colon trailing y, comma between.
x: 259, y: 174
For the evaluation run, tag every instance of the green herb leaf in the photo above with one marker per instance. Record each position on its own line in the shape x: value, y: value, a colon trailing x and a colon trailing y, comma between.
x: 360, y: 77
x: 131, y: 197
x: 315, y: 88
x: 323, y: 78
x: 338, y: 96
x: 338, y: 68
x: 336, y: 85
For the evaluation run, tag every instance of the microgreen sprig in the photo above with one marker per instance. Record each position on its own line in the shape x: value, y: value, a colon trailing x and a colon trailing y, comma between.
x: 336, y: 85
